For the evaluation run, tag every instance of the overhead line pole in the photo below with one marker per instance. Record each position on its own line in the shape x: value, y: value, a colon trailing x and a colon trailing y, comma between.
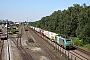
x: 27, y: 21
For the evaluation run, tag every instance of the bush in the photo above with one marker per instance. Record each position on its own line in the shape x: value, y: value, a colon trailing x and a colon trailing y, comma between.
x: 13, y: 31
x: 76, y: 41
x: 87, y: 46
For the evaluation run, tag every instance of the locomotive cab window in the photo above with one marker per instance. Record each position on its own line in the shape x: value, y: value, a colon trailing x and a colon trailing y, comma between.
x: 68, y: 40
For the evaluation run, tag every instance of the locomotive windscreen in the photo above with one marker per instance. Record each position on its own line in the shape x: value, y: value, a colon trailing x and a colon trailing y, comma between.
x: 68, y: 40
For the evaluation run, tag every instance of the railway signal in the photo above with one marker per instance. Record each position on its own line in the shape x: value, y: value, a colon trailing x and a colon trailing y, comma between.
x: 7, y: 28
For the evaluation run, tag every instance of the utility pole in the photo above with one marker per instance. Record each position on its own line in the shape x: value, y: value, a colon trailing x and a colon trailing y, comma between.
x: 27, y: 21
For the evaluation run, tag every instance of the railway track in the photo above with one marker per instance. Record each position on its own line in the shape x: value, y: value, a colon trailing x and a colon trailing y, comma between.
x: 82, y: 50
x: 23, y: 50
x: 1, y: 48
x: 24, y: 53
x: 81, y: 53
x: 42, y: 44
x: 29, y: 37
x: 75, y: 55
x: 4, y: 46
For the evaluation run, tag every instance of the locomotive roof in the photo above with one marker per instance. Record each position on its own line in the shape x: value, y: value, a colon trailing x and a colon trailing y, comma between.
x: 63, y: 37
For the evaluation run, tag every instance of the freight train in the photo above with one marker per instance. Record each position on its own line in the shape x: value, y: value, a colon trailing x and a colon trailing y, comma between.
x: 62, y: 41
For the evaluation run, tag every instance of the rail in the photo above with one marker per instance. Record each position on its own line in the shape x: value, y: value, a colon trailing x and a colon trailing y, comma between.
x: 24, y: 53
x: 82, y: 50
x: 68, y: 53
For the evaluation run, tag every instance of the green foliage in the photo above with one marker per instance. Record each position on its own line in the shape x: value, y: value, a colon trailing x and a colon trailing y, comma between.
x: 77, y: 41
x: 87, y: 46
x: 11, y: 30
x: 74, y: 21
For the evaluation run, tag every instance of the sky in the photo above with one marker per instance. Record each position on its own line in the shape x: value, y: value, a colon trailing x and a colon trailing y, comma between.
x: 33, y: 10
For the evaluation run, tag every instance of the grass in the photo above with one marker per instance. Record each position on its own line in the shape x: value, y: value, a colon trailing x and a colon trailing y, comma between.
x: 79, y: 43
x: 87, y: 47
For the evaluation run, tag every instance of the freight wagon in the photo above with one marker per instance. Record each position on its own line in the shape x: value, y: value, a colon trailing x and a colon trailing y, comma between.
x: 52, y: 35
x: 46, y: 33
x: 62, y: 41
x: 41, y: 32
